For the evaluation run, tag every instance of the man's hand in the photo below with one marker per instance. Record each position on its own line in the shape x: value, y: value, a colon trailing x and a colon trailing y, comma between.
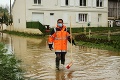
x: 73, y: 42
x: 50, y: 47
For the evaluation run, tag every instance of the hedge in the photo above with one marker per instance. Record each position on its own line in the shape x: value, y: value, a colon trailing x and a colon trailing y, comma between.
x: 36, y: 25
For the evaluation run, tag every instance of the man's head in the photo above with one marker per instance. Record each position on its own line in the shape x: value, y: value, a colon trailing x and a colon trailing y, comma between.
x: 60, y: 22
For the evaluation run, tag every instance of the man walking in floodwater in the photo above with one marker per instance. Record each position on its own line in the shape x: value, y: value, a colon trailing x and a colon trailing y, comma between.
x: 59, y: 37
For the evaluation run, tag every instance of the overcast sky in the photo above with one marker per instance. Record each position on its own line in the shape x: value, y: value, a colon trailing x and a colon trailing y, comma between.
x: 4, y: 2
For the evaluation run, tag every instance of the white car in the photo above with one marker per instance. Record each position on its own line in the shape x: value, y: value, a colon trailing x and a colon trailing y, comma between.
x: 117, y: 22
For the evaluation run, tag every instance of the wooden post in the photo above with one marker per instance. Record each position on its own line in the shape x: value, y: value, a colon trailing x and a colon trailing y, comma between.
x: 89, y: 33
x: 2, y: 27
x: 109, y: 32
x: 85, y: 30
x: 117, y: 9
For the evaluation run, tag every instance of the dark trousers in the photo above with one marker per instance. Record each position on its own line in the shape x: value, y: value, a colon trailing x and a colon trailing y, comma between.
x: 60, y: 56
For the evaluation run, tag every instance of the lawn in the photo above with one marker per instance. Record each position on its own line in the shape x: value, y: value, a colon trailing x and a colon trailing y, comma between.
x: 100, y: 37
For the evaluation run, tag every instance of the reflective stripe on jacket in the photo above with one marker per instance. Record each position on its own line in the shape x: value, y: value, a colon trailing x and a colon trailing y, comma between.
x: 59, y: 37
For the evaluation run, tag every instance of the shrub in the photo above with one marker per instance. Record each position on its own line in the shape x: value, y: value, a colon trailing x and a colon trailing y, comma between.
x: 36, y: 25
x: 9, y: 69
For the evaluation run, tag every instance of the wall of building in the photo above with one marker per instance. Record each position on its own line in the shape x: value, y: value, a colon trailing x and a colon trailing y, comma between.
x: 59, y: 11
x: 19, y: 17
x: 55, y: 7
x: 114, y: 9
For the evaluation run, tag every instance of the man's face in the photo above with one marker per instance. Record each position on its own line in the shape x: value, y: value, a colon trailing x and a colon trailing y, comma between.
x: 60, y: 23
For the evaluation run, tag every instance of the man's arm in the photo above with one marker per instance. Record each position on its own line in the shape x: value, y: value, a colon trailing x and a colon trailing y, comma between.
x: 69, y: 39
x: 51, y: 39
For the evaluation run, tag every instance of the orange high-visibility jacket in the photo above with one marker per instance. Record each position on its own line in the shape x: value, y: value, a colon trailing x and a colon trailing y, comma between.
x: 59, y: 38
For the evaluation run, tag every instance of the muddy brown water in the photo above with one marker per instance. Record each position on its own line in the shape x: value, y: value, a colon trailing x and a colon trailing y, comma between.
x: 38, y: 62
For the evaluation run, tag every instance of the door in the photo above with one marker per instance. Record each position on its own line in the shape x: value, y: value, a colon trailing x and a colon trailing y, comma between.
x: 38, y: 17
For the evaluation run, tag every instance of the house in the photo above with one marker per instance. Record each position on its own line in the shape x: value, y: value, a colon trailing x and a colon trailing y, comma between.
x: 47, y: 12
x: 113, y: 9
x: 113, y: 13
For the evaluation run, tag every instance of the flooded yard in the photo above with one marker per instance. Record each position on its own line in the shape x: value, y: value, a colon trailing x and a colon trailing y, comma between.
x: 38, y: 62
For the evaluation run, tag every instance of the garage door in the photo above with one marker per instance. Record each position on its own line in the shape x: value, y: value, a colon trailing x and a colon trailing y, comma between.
x: 38, y: 17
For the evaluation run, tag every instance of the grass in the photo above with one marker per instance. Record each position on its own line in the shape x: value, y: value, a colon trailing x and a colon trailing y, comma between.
x: 9, y: 66
x: 102, y: 33
x: 105, y: 36
x: 99, y: 46
x: 95, y: 29
x: 25, y: 34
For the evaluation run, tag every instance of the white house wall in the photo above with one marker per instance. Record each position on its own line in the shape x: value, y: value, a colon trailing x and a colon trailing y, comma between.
x: 19, y: 17
x: 94, y: 19
x: 59, y: 10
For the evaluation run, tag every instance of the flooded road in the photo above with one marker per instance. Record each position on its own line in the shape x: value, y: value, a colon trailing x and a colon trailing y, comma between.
x: 38, y: 61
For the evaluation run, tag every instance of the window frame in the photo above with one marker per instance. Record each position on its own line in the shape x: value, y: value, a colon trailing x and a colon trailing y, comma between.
x: 18, y: 20
x: 82, y: 2
x: 37, y: 2
x: 99, y: 3
x: 82, y: 17
x: 67, y: 2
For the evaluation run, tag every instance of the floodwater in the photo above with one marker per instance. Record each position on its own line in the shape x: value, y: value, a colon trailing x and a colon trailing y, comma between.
x: 38, y: 61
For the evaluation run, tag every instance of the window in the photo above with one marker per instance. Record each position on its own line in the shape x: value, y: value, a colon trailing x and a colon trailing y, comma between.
x: 99, y: 3
x: 82, y: 2
x: 51, y: 13
x: 66, y: 2
x: 18, y: 20
x: 82, y: 17
x: 37, y: 1
x: 38, y: 17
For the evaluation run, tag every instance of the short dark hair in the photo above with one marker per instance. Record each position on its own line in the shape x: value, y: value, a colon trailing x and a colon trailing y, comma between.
x: 60, y: 20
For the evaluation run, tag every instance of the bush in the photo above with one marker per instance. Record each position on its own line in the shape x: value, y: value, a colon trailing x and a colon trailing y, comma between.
x: 9, y: 69
x: 36, y: 25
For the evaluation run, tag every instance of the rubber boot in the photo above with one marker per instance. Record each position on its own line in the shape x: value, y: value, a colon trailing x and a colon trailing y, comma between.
x: 57, y: 63
x: 63, y: 58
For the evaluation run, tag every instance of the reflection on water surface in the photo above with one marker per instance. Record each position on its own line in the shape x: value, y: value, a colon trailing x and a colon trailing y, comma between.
x: 38, y: 61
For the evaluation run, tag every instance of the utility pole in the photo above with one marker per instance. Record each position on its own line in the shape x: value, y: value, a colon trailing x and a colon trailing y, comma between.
x: 117, y: 9
x: 10, y: 8
x: 10, y: 16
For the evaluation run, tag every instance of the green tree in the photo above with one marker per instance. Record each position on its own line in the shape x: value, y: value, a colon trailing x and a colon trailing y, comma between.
x: 5, y: 18
x: 4, y: 14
